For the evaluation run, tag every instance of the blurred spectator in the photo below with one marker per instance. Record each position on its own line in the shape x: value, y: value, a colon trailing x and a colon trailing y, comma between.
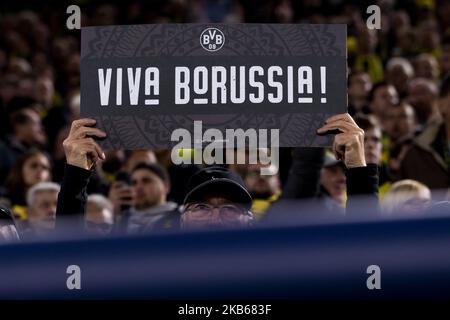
x: 406, y: 197
x: 366, y: 57
x: 99, y: 215
x: 264, y: 189
x: 399, y: 125
x: 359, y: 86
x: 426, y: 66
x: 333, y: 183
x: 399, y: 72
x: 382, y: 97
x: 27, y: 132
x: 372, y: 138
x: 399, y: 122
x: 41, y: 200
x: 32, y: 168
x: 423, y: 94
x: 427, y: 159
x: 147, y: 199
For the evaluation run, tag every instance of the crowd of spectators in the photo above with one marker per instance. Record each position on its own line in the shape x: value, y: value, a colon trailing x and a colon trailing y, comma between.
x: 398, y: 93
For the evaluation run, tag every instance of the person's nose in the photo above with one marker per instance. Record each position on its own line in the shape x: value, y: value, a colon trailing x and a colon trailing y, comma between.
x: 215, y: 215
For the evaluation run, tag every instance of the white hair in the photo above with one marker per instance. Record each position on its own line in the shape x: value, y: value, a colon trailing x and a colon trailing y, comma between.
x: 41, y: 187
x: 100, y: 202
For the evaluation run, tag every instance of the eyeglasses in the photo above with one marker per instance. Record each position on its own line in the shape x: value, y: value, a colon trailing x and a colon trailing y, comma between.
x: 204, y: 211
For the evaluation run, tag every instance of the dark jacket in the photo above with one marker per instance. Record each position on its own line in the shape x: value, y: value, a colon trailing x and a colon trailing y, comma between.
x: 304, y: 177
x: 427, y: 160
x: 72, y: 200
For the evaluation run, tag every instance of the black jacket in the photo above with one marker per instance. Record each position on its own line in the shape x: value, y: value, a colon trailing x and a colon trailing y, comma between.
x: 304, y: 177
x: 72, y: 201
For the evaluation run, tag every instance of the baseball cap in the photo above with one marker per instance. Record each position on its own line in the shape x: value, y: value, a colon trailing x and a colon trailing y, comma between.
x: 220, y: 181
x: 331, y: 161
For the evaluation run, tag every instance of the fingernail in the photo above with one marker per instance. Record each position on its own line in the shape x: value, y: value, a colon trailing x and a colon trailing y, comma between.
x: 103, y: 156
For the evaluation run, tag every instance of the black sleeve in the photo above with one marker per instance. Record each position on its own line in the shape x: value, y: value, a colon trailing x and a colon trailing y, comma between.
x: 362, y: 181
x: 304, y: 175
x: 72, y: 198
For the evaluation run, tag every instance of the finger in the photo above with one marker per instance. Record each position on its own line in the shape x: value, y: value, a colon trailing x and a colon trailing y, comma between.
x: 90, y: 141
x: 83, y: 132
x: 81, y: 123
x: 339, y: 151
x: 343, y: 116
x: 340, y: 125
x: 89, y: 150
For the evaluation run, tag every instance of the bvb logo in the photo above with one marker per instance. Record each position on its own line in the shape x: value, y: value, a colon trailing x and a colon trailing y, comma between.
x: 212, y: 39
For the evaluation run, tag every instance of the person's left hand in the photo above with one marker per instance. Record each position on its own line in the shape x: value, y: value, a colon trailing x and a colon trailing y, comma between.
x: 348, y: 145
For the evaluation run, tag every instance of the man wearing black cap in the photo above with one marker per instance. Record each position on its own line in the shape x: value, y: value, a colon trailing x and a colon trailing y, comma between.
x: 217, y: 197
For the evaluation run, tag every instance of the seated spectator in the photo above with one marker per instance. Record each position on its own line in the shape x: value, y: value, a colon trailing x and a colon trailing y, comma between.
x: 427, y: 159
x: 99, y: 215
x: 400, y: 125
x: 423, y: 95
x: 359, y: 86
x: 426, y: 66
x: 33, y: 167
x: 367, y: 59
x: 406, y: 197
x: 382, y: 97
x: 264, y: 189
x: 348, y: 146
x: 140, y: 200
x: 217, y: 198
x: 41, y: 199
x: 150, y: 209
x: 372, y: 138
x: 27, y: 132
x: 333, y: 183
x: 399, y: 72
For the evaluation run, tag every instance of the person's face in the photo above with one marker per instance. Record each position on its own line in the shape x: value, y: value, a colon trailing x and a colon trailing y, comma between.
x: 399, y: 122
x: 372, y: 145
x: 36, y: 169
x: 214, y: 212
x: 43, y: 211
x: 44, y: 91
x: 334, y: 181
x: 98, y: 221
x: 426, y: 68
x: 148, y: 189
x: 421, y: 98
x: 384, y: 98
x: 32, y: 131
x: 360, y: 85
x: 399, y: 78
x: 418, y: 203
x: 261, y: 186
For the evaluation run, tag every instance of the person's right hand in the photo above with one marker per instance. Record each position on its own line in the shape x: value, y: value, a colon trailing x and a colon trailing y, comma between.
x: 80, y: 148
x: 120, y: 194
